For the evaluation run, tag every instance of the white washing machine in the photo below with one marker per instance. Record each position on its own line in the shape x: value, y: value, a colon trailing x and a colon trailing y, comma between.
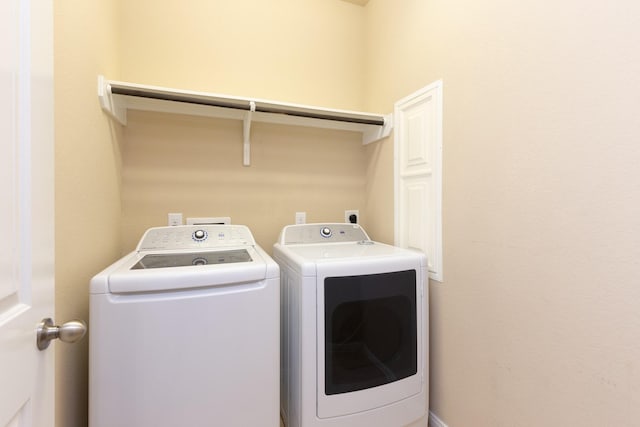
x: 185, y: 332
x: 354, y: 329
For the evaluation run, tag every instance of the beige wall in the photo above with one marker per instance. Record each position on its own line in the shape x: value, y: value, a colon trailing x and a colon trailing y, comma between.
x: 193, y: 165
x: 308, y: 52
x: 87, y: 183
x: 303, y: 51
x: 537, y: 322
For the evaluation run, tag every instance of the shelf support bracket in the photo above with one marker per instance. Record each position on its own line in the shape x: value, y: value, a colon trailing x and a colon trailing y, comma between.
x: 246, y: 134
x: 380, y: 132
x: 105, y: 96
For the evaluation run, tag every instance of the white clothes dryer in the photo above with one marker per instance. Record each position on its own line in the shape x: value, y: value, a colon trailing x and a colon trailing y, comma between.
x: 185, y: 332
x: 354, y: 329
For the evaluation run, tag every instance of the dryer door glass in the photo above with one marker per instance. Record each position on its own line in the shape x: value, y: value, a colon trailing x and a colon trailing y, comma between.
x: 370, y: 330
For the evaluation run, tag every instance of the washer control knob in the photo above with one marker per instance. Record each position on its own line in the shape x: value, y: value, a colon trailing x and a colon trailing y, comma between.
x: 199, y: 235
x: 325, y: 232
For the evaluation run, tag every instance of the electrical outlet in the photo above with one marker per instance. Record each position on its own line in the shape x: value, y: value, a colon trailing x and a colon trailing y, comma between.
x: 175, y: 219
x: 352, y: 216
x: 301, y: 217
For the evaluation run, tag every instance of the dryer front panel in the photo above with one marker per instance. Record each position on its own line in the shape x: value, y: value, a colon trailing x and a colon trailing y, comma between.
x: 369, y: 331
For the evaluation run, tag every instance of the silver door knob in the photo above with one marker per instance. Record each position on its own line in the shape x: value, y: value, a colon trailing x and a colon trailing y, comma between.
x: 69, y: 332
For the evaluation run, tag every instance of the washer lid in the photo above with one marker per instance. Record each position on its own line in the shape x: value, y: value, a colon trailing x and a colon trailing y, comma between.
x: 165, y: 260
x: 164, y: 271
x: 187, y: 257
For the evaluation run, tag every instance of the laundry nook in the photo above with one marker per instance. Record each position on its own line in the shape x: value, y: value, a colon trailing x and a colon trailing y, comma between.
x: 319, y: 213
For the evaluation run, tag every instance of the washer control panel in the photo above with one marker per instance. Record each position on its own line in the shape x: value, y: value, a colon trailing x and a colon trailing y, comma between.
x: 322, y: 233
x: 195, y: 237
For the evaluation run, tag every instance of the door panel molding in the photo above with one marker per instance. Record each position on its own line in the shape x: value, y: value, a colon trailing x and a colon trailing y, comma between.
x: 418, y: 174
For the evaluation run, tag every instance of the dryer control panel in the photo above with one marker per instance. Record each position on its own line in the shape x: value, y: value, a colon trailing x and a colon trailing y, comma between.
x: 322, y: 233
x: 195, y: 237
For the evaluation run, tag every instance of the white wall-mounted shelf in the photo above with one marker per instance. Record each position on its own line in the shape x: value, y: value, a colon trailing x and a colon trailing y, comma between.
x: 117, y: 98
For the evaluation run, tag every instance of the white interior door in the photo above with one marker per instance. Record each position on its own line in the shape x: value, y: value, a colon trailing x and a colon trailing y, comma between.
x: 418, y: 174
x: 26, y: 211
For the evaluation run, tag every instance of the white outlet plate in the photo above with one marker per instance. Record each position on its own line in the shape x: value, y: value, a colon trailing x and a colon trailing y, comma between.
x: 175, y: 219
x: 348, y: 213
x: 301, y: 217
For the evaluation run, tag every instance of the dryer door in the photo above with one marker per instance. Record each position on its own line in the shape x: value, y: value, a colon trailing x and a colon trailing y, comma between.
x: 370, y: 330
x: 369, y: 327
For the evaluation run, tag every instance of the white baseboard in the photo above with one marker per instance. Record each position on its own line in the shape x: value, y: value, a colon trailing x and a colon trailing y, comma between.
x: 434, y: 421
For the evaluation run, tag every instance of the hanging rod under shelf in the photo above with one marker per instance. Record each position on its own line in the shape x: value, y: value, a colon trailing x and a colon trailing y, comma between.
x: 261, y: 106
x: 118, y: 97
